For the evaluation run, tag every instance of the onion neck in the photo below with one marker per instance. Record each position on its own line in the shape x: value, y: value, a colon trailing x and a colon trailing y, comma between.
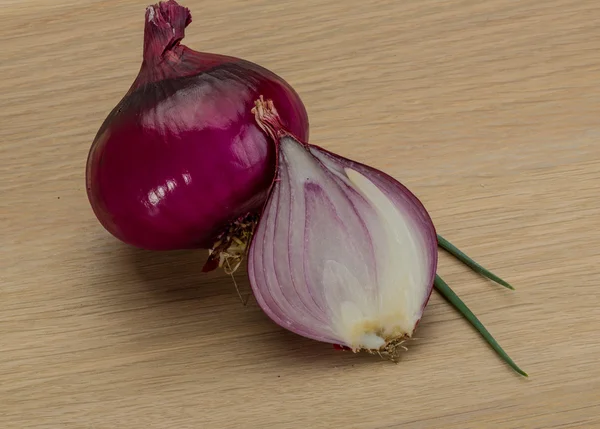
x: 164, y: 29
x: 164, y: 56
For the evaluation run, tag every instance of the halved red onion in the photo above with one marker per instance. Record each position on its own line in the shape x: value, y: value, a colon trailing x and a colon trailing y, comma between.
x: 342, y: 253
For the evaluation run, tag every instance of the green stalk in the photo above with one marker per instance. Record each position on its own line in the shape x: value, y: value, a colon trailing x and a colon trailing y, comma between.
x: 442, y: 287
x: 458, y: 254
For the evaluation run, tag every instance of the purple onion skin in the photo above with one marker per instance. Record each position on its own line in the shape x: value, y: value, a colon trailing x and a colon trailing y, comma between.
x: 181, y: 155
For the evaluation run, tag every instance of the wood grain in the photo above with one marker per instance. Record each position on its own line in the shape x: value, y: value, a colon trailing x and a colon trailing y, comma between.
x: 489, y: 111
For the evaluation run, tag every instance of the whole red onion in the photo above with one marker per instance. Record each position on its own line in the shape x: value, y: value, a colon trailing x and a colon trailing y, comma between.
x: 181, y: 157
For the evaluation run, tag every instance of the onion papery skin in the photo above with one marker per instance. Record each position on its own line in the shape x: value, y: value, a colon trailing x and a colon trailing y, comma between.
x: 181, y: 157
x: 343, y: 253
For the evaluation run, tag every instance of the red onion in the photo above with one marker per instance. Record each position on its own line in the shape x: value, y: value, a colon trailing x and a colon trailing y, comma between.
x: 180, y: 157
x: 342, y: 253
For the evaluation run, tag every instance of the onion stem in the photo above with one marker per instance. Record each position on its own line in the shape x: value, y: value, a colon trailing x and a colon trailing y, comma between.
x: 461, y: 256
x: 442, y: 287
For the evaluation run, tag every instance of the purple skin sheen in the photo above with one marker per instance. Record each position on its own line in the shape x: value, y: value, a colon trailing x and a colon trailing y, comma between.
x: 181, y: 155
x: 317, y: 219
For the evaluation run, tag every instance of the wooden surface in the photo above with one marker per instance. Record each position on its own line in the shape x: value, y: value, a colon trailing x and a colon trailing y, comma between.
x: 489, y: 111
